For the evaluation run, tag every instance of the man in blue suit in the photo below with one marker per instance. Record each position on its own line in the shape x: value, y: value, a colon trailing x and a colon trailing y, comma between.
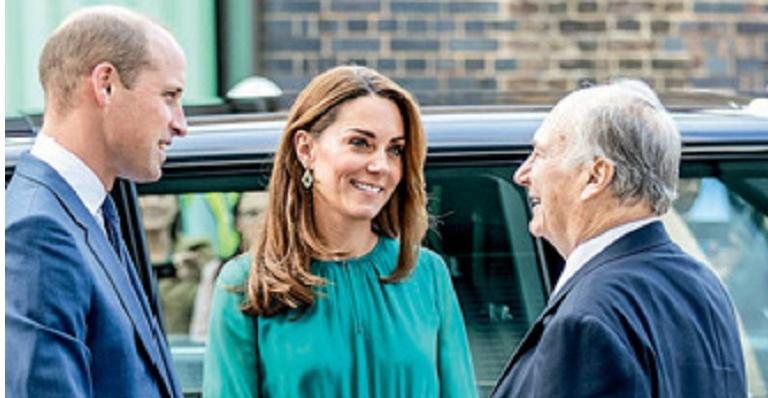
x: 77, y: 321
x: 631, y: 315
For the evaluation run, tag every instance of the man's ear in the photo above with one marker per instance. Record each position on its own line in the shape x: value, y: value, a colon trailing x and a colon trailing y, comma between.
x: 304, y: 145
x: 103, y: 78
x: 600, y: 175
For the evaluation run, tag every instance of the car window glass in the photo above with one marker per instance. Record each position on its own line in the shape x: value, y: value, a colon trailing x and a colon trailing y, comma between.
x: 189, y: 237
x: 723, y: 223
x: 481, y: 230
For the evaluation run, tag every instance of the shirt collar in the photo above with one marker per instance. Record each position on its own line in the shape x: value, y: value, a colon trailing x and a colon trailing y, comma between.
x: 75, y: 172
x: 592, y: 247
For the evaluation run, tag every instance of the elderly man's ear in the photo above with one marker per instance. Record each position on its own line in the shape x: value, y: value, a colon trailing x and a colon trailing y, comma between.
x: 600, y: 175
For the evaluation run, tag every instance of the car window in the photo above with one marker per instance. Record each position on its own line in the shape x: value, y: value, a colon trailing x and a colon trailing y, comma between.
x: 480, y: 229
x: 723, y: 222
x: 189, y: 237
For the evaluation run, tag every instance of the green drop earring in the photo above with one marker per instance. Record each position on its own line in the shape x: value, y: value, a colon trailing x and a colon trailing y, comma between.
x: 307, y: 179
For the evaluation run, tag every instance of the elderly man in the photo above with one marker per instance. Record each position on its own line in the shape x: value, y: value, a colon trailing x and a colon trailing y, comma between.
x: 632, y: 315
x: 77, y: 321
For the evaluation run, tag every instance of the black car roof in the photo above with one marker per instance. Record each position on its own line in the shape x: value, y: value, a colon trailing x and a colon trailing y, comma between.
x: 449, y: 130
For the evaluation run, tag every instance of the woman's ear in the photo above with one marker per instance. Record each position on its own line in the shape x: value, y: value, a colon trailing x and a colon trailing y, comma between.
x: 304, y: 144
x: 600, y: 175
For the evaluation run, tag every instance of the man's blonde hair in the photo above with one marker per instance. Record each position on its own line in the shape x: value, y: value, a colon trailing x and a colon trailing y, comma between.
x: 86, y: 38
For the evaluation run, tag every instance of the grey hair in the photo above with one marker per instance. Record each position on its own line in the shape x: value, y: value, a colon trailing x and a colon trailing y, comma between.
x: 625, y: 122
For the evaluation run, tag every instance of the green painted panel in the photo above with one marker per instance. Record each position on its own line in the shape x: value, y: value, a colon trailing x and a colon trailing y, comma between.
x: 240, y: 45
x: 29, y: 22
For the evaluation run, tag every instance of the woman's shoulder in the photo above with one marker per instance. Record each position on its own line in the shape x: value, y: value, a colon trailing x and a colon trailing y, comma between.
x: 234, y: 273
x: 425, y: 255
x: 429, y: 264
x: 431, y: 270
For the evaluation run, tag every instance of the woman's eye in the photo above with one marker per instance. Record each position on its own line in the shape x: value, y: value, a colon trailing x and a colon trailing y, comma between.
x: 359, y: 142
x: 396, y: 150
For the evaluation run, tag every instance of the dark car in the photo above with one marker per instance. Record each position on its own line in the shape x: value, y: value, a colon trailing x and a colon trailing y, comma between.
x: 502, y: 274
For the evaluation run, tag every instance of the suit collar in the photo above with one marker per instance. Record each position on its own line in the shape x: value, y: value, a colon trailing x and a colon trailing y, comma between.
x: 594, y: 246
x: 639, y: 240
x: 72, y: 169
x: 122, y: 277
x: 37, y: 170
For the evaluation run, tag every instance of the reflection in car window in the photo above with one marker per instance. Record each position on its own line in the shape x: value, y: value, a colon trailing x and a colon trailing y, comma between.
x: 721, y: 223
x: 189, y: 236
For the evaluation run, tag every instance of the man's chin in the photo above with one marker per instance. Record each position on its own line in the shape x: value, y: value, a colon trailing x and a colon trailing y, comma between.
x: 146, y: 177
x: 535, y: 229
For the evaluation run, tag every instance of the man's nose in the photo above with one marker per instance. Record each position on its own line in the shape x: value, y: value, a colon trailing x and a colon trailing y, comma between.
x: 179, y: 122
x: 522, y: 174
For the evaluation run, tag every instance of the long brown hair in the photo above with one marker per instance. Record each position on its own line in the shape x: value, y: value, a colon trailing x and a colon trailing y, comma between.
x: 280, y: 277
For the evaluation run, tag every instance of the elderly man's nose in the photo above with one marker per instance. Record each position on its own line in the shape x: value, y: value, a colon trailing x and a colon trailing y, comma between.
x: 522, y: 174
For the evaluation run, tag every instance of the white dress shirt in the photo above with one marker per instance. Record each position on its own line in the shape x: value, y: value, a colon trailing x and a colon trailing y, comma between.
x: 591, y: 248
x: 77, y: 174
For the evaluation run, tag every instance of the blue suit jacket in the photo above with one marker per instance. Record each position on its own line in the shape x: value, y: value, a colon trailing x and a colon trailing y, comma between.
x: 77, y: 321
x: 641, y: 319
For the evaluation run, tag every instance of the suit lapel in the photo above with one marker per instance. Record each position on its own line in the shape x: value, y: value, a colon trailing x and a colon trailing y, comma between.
x: 530, y: 339
x: 118, y: 274
x: 155, y: 331
x: 638, y: 240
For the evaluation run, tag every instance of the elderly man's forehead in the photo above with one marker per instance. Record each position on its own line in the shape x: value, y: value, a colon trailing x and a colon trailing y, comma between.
x: 553, y: 132
x: 566, y: 113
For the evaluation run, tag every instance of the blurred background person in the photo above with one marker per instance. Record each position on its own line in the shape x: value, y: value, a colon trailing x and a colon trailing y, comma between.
x: 249, y: 210
x: 159, y: 216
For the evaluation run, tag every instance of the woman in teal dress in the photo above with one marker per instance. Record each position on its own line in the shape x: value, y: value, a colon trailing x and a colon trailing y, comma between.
x: 336, y: 298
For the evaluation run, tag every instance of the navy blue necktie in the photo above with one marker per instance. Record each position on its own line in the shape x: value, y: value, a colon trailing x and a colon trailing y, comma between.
x: 112, y: 226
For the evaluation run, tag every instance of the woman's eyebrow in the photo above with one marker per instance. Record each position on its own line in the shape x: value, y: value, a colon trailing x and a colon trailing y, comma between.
x: 364, y: 132
x: 371, y: 134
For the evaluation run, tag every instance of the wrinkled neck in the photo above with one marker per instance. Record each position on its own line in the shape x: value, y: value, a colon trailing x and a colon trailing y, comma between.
x: 602, y: 216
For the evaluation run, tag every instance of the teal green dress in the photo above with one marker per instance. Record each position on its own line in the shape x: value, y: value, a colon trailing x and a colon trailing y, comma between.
x: 361, y: 338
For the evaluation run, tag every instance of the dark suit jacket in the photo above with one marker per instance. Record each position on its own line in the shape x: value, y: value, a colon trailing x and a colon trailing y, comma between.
x: 77, y: 321
x: 640, y: 319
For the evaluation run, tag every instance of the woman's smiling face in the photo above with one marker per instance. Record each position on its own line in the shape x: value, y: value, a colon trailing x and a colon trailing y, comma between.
x: 356, y: 161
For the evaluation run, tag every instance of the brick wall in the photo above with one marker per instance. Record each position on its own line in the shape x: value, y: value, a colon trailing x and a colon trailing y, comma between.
x: 484, y: 48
